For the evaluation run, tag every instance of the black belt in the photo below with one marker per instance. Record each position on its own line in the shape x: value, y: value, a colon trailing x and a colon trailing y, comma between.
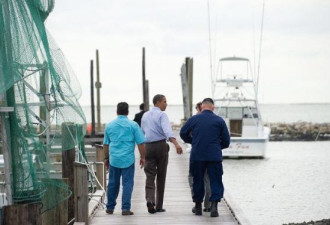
x: 153, y: 142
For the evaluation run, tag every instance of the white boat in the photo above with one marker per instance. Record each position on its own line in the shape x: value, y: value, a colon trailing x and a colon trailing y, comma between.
x: 235, y: 91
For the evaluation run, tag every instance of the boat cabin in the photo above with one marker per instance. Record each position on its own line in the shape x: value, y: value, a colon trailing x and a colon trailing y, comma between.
x: 241, y: 121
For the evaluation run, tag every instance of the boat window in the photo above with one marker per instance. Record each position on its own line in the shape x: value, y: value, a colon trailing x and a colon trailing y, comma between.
x: 235, y: 113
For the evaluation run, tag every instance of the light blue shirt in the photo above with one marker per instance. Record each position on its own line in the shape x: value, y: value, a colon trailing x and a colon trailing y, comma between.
x: 156, y: 126
x: 121, y: 135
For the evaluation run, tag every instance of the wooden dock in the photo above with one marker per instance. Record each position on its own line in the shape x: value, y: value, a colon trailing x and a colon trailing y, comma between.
x: 177, y: 202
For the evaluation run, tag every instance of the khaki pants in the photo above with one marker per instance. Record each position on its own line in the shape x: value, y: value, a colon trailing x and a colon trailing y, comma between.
x: 156, y: 165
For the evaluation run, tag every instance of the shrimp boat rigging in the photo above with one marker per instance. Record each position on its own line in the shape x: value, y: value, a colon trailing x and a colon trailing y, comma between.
x: 235, y: 95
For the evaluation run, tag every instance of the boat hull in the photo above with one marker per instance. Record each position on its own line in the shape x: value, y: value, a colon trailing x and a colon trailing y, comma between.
x: 246, y: 148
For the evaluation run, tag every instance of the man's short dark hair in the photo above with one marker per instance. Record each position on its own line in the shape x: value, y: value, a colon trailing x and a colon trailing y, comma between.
x: 210, y: 100
x: 142, y: 106
x: 157, y: 98
x: 122, y: 108
x: 199, y: 106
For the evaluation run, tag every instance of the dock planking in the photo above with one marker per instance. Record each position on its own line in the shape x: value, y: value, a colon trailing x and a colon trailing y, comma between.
x: 177, y: 200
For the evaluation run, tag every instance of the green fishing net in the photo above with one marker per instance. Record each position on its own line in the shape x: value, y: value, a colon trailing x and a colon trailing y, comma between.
x: 36, y: 79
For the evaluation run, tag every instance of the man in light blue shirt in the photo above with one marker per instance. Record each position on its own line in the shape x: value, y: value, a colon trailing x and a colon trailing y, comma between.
x: 121, y: 135
x: 157, y: 130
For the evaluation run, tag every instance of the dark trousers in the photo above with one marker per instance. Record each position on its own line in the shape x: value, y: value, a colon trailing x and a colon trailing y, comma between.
x: 156, y: 165
x: 214, y: 170
x: 207, y: 189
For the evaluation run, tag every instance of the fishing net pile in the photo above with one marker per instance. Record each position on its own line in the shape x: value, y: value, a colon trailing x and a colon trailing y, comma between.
x: 37, y: 81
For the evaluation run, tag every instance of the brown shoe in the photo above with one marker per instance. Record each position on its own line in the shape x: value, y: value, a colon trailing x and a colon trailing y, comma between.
x: 127, y: 213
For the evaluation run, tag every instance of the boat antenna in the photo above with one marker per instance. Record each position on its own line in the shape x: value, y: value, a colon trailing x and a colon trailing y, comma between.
x: 260, y: 45
x: 210, y: 46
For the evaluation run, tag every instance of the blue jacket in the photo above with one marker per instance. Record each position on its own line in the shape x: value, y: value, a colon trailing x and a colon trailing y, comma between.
x: 208, y: 134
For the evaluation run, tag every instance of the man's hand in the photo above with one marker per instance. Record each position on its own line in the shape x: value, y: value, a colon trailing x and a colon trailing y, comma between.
x: 142, y: 155
x: 142, y: 162
x: 106, y: 164
x: 177, y: 146
x: 178, y: 149
x: 106, y: 156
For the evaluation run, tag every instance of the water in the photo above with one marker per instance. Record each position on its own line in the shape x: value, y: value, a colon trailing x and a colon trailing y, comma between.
x: 316, y: 113
x: 290, y: 185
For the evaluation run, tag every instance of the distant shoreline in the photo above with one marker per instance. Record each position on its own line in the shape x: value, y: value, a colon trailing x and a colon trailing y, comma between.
x: 298, y: 131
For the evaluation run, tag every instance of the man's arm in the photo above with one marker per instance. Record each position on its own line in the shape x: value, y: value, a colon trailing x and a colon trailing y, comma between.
x: 106, y: 156
x: 177, y: 146
x: 225, y: 137
x: 185, y: 132
x: 167, y: 129
x: 135, y: 118
x: 142, y: 155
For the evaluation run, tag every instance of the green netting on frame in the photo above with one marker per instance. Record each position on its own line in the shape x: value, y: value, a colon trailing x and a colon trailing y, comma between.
x: 38, y: 82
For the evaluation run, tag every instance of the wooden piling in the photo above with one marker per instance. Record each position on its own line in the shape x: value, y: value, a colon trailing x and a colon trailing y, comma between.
x: 185, y: 94
x: 28, y: 214
x: 146, y: 101
x: 189, y: 72
x: 100, y: 168
x: 98, y: 86
x: 145, y: 83
x: 59, y: 214
x: 187, y: 87
x: 92, y: 101
x: 5, y: 137
x: 68, y: 158
x: 81, y: 192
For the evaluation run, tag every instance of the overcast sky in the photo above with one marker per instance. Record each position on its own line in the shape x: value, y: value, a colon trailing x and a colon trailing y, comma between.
x: 295, y: 56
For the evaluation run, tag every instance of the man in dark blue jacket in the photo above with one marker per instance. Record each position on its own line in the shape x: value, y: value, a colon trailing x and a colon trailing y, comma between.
x: 208, y: 135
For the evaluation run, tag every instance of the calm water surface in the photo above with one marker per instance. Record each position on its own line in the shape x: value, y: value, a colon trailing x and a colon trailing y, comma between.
x: 290, y: 185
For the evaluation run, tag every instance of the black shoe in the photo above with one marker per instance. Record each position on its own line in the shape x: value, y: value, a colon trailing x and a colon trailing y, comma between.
x: 214, y: 209
x: 151, y: 207
x: 193, y: 210
x: 198, y: 208
x: 127, y: 213
x: 160, y: 210
x: 109, y: 211
x: 206, y: 209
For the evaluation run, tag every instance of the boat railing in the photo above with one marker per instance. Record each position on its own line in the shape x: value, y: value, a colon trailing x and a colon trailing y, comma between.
x: 230, y: 80
x: 225, y: 99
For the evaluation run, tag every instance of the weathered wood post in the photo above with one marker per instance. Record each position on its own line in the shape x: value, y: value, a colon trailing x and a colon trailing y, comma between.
x: 187, y: 87
x: 92, y: 101
x: 146, y: 104
x: 28, y: 214
x: 185, y: 94
x: 5, y: 131
x: 98, y: 86
x: 6, y: 59
x: 100, y: 168
x: 68, y: 158
x: 58, y: 215
x: 189, y: 72
x: 145, y: 83
x: 81, y: 192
